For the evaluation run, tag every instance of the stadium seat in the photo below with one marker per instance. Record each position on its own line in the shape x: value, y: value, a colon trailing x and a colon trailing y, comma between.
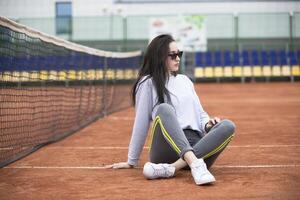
x: 15, y: 76
x: 34, y: 76
x: 218, y: 69
x: 285, y: 68
x: 71, y: 75
x: 52, y: 75
x: 298, y: 56
x: 256, y: 64
x: 199, y: 59
x: 91, y: 74
x: 227, y: 64
x: 265, y: 61
x: 199, y: 65
x: 199, y: 72
x: 110, y: 74
x: 237, y: 69
x: 276, y: 69
x: 119, y: 74
x: 208, y: 71
x: 62, y: 75
x: 136, y: 73
x: 5, y: 76
x: 80, y: 75
x: 43, y: 75
x: 99, y: 74
x: 295, y: 68
x: 129, y: 74
x: 247, y: 70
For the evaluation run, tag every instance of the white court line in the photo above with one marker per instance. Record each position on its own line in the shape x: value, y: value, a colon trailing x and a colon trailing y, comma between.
x: 92, y: 148
x: 102, y: 167
x: 256, y: 166
x: 120, y: 118
x: 147, y: 147
x: 126, y: 147
x: 264, y: 146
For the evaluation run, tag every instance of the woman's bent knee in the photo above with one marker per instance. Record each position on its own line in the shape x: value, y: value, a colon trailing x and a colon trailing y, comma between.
x: 228, y: 125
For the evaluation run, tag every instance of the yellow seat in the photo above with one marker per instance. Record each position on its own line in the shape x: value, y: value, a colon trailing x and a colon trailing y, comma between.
x: 110, y: 74
x: 53, y: 75
x: 99, y: 74
x: 228, y: 71
x: 34, y: 76
x: 128, y: 74
x: 257, y: 71
x: 208, y: 72
x: 62, y: 75
x: 91, y: 74
x: 44, y: 75
x: 135, y: 73
x: 80, y: 75
x: 296, y: 70
x: 276, y: 71
x: 5, y: 76
x: 247, y: 71
x: 71, y: 75
x: 120, y: 74
x: 25, y: 76
x: 199, y: 72
x: 218, y: 71
x: 286, y: 70
x: 266, y: 70
x: 237, y: 71
x: 15, y: 76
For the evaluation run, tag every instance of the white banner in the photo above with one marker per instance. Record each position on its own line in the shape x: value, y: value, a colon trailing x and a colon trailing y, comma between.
x: 188, y: 31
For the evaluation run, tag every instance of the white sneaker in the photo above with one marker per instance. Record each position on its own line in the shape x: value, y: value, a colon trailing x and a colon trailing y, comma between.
x: 200, y: 173
x: 154, y: 171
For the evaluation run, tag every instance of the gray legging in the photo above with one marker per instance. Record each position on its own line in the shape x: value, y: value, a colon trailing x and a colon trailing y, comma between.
x: 169, y: 141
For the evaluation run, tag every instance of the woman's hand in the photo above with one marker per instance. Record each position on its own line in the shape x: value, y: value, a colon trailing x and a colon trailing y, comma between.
x: 211, y: 123
x: 120, y: 165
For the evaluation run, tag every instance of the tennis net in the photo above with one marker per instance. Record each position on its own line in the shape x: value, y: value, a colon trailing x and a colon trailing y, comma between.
x: 51, y: 88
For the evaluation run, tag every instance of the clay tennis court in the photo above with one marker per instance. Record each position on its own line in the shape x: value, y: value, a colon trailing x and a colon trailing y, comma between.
x: 262, y: 161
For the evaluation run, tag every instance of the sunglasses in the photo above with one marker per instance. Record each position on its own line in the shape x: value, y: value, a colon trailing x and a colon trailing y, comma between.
x: 174, y: 55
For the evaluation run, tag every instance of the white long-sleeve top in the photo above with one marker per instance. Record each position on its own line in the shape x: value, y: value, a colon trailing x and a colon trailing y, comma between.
x: 189, y: 111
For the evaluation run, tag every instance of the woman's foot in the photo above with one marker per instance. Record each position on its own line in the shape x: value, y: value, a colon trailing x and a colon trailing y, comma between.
x: 155, y: 171
x: 200, y: 173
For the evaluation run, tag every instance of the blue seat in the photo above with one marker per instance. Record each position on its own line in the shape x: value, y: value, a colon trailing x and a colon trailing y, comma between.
x: 208, y: 59
x: 274, y: 58
x: 199, y: 59
x: 217, y: 58
x: 245, y: 58
x: 255, y: 61
x: 282, y: 58
x: 292, y: 57
x: 227, y: 58
x: 298, y: 56
x: 265, y: 58
x: 236, y: 58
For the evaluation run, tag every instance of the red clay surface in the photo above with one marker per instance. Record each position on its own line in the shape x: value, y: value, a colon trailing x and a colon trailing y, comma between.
x: 262, y: 161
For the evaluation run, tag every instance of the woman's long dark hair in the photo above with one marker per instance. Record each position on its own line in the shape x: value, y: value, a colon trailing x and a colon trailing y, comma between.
x: 154, y: 66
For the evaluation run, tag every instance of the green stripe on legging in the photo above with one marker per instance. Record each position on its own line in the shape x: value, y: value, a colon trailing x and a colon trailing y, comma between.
x: 165, y: 133
x: 216, y: 150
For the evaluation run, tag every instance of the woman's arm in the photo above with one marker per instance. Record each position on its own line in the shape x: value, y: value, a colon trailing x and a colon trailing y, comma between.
x: 143, y: 112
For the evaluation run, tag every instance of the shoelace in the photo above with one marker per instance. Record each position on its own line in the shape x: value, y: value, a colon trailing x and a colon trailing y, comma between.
x: 161, y: 172
x: 201, y: 168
